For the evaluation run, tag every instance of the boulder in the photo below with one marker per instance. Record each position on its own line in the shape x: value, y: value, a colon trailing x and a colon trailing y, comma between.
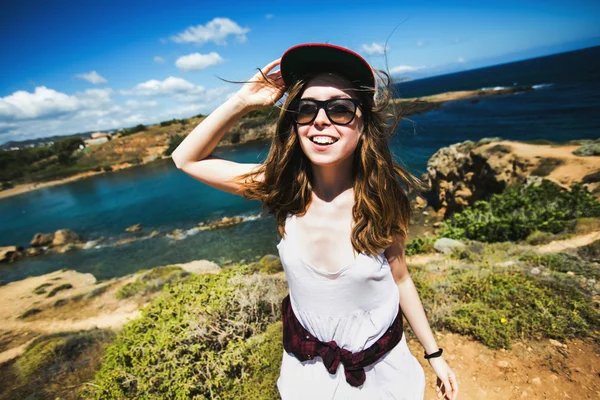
x: 223, y: 223
x: 65, y: 236
x: 34, y: 251
x: 445, y: 245
x: 465, y: 172
x: 9, y: 254
x: 134, y: 228
x: 201, y: 267
x: 42, y: 239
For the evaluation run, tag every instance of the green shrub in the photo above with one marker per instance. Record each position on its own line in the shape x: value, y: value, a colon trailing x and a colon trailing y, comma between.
x: 135, y: 129
x: 174, y: 121
x: 562, y: 262
x: 518, y: 211
x: 590, y: 252
x: 41, y: 289
x: 54, y: 365
x: 498, y: 306
x: 30, y: 312
x: 151, y: 281
x: 536, y: 238
x: 546, y: 166
x: 419, y: 246
x: 174, y: 141
x: 57, y: 289
x: 259, y: 364
x: 268, y: 264
x: 183, y: 345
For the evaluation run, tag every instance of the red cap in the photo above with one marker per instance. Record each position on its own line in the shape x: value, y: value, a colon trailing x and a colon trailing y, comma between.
x: 317, y: 57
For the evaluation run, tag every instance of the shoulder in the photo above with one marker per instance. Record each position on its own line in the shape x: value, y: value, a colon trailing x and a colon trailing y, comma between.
x: 397, y: 260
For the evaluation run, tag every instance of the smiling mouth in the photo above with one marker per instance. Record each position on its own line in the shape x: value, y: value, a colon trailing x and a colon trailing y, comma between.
x: 323, y: 140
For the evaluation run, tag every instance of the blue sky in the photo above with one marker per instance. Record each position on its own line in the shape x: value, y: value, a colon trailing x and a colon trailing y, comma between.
x: 75, y: 66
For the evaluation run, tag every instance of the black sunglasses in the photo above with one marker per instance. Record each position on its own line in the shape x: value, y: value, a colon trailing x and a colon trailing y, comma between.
x: 339, y: 111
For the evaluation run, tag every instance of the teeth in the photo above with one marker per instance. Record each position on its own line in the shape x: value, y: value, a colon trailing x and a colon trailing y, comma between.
x: 323, y: 139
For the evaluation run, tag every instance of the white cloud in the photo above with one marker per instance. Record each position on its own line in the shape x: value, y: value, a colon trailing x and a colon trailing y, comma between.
x: 6, y: 127
x: 44, y: 111
x: 159, y: 60
x: 460, y: 60
x: 400, y: 69
x: 178, y: 89
x: 199, y: 94
x: 422, y: 43
x: 215, y: 31
x: 197, y: 61
x: 92, y: 77
x: 169, y: 86
x: 136, y: 104
x: 43, y: 102
x: 374, y: 48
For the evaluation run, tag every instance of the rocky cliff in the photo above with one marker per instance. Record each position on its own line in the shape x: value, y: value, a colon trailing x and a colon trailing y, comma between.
x: 465, y: 172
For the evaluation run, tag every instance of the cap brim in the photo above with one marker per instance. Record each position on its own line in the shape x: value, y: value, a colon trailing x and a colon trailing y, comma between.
x: 314, y: 58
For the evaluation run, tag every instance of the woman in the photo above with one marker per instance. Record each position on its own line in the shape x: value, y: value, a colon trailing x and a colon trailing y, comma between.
x: 331, y: 183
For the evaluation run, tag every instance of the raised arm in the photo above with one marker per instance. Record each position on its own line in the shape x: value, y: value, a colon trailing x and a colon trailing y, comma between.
x: 194, y: 153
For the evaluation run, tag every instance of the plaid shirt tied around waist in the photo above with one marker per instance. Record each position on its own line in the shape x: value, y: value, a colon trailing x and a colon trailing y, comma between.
x: 302, y: 344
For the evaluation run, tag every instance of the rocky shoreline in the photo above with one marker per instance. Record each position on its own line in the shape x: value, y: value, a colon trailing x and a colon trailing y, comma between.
x: 65, y: 240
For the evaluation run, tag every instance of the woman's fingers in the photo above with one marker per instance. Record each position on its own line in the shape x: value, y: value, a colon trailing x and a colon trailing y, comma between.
x: 443, y: 389
x: 454, y: 383
x: 270, y: 66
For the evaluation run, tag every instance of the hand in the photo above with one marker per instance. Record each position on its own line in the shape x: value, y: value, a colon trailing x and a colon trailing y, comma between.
x: 263, y: 89
x: 446, y: 384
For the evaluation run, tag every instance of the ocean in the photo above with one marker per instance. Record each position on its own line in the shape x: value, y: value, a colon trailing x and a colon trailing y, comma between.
x: 563, y: 106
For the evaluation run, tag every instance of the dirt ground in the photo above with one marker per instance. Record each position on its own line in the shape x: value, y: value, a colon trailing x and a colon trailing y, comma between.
x: 530, y: 370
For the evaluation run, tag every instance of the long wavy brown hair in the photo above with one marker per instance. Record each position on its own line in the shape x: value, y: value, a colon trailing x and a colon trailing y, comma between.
x: 381, y: 205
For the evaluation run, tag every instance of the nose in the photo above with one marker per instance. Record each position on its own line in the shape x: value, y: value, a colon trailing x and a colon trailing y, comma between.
x: 321, y: 117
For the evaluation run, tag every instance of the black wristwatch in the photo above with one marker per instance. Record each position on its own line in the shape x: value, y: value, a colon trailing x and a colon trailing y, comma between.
x: 433, y: 355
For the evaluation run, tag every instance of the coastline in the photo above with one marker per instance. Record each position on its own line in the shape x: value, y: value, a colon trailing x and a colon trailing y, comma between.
x: 28, y: 187
x: 422, y: 104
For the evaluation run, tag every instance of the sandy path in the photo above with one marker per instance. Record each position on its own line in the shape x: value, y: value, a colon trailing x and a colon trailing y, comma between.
x: 574, y: 167
x: 531, y: 370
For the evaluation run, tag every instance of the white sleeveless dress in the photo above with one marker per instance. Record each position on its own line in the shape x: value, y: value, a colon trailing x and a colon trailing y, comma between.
x: 353, y: 306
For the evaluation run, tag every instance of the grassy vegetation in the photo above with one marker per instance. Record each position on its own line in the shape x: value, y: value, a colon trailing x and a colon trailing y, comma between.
x: 497, y: 306
x: 419, y: 246
x: 35, y: 162
x: 131, y: 131
x: 53, y: 366
x: 563, y: 262
x: 192, y: 341
x: 152, y: 281
x: 519, y: 211
x: 57, y: 289
x: 41, y: 289
x: 174, y: 141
